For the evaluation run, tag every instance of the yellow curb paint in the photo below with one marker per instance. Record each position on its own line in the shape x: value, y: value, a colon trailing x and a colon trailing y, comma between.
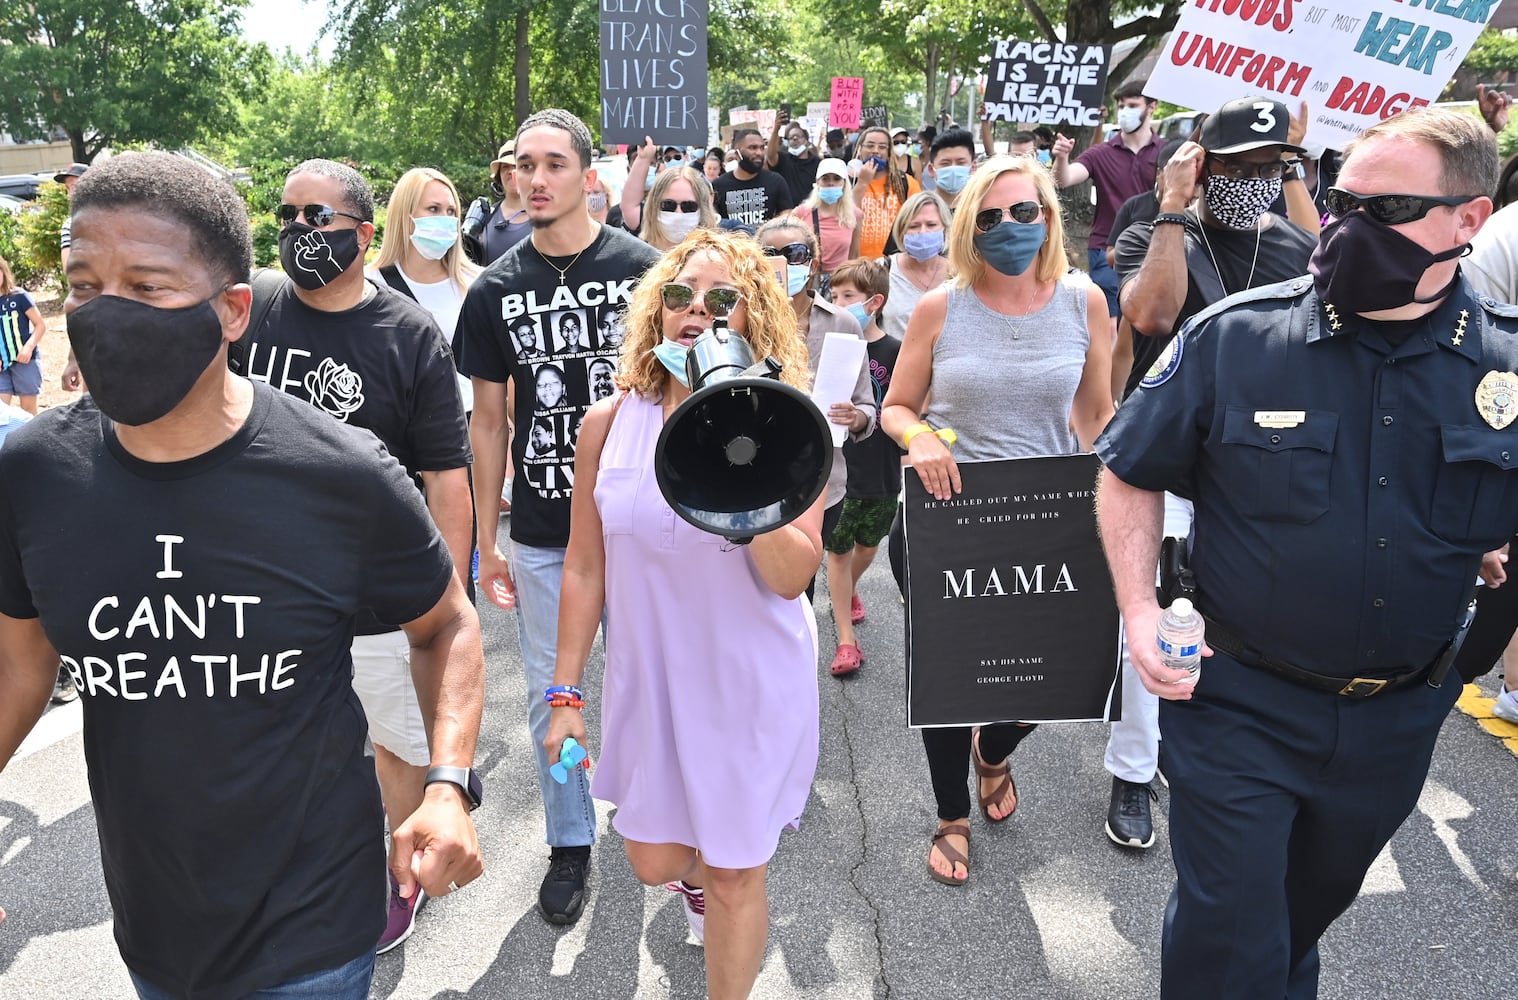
x: 1472, y: 703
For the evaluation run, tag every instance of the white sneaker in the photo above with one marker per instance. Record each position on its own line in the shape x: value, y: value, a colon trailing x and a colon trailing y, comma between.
x: 695, y: 908
x: 1506, y: 706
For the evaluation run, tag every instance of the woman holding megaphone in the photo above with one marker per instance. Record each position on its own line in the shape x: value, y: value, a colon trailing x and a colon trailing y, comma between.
x: 709, y: 718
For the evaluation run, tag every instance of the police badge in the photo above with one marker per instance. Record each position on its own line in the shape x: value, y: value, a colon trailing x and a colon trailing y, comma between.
x: 1497, y: 398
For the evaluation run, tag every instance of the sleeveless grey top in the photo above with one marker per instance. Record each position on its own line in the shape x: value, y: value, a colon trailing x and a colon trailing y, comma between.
x: 1005, y: 384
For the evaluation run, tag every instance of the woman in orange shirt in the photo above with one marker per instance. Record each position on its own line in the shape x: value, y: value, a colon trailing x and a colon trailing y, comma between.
x: 879, y: 191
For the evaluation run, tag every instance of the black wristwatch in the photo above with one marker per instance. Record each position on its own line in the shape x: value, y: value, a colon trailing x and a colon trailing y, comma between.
x: 464, y: 777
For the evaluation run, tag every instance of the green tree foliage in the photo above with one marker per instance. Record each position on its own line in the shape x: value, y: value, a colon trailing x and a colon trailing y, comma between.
x: 108, y: 71
x: 1494, y: 55
x: 38, y: 239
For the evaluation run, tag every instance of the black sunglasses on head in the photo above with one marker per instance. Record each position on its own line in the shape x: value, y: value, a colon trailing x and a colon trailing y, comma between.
x: 1389, y: 209
x: 719, y: 301
x: 794, y: 253
x: 671, y: 205
x: 319, y: 216
x: 1024, y: 212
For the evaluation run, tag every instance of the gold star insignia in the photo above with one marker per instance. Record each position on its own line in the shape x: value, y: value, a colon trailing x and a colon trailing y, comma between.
x: 1460, y: 328
x: 1333, y: 317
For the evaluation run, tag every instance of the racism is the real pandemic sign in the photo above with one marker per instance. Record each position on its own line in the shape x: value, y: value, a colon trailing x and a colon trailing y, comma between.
x: 1354, y: 62
x: 653, y: 72
x: 1046, y: 83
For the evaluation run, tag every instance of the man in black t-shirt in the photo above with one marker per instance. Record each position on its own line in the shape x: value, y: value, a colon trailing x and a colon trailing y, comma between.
x: 750, y: 194
x: 232, y: 536
x: 797, y: 161
x: 374, y: 359
x: 1189, y: 258
x: 571, y: 266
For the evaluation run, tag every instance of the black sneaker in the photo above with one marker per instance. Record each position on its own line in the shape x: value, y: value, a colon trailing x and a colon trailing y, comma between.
x: 1128, y: 821
x: 562, y: 896
x: 64, y: 690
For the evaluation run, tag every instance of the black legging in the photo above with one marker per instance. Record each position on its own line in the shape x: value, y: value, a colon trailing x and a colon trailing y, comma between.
x: 949, y: 753
x: 1496, y: 620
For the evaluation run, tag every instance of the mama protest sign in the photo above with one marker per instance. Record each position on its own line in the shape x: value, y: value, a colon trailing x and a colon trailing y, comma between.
x: 1044, y: 83
x: 653, y: 71
x: 1354, y: 62
x: 1010, y: 610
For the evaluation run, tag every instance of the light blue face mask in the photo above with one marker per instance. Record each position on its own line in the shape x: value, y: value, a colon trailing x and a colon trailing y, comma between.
x: 923, y: 246
x: 1045, y: 157
x: 434, y: 235
x: 952, y: 179
x: 648, y: 179
x: 672, y: 356
x: 796, y: 277
x: 830, y: 196
x: 857, y: 311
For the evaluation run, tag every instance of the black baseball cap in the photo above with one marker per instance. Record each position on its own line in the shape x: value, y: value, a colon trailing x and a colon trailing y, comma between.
x: 73, y: 170
x: 1247, y: 123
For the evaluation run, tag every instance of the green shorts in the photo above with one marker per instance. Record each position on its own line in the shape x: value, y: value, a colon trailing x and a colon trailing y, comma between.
x: 863, y: 522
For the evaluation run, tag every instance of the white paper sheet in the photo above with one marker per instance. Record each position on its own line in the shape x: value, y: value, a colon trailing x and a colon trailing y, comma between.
x: 837, y: 373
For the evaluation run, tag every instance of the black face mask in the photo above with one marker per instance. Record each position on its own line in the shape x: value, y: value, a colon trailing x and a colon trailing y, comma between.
x: 314, y: 258
x: 1362, y: 265
x: 140, y: 361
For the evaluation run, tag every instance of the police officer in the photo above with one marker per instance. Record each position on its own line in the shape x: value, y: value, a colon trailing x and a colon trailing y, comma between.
x: 1346, y: 441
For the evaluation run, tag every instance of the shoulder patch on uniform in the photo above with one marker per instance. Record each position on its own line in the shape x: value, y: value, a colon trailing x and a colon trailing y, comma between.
x: 1165, y: 365
x: 1496, y: 308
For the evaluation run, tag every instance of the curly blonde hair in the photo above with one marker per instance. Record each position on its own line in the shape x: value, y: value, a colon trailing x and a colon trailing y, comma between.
x: 769, y: 326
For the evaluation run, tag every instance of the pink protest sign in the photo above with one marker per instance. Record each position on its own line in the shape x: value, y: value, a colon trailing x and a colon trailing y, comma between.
x: 846, y: 101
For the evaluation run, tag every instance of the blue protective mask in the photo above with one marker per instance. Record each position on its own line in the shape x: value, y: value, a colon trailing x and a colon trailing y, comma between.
x: 796, y: 277
x: 857, y: 311
x: 923, y: 246
x: 952, y: 179
x: 1011, y: 246
x: 829, y: 196
x: 1045, y: 157
x: 434, y: 235
x: 672, y: 356
x: 648, y: 180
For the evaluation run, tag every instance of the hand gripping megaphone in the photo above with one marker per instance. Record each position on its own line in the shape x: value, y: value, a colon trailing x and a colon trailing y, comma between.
x: 745, y: 453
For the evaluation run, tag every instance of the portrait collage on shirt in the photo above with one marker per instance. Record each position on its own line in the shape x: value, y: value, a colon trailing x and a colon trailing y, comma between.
x: 566, y: 352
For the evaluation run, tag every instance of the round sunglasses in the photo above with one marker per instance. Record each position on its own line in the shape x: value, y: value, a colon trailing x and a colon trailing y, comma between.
x: 1024, y: 212
x: 719, y: 301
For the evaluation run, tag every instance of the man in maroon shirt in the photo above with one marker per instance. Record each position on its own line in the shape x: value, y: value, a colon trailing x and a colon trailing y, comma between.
x: 1119, y: 168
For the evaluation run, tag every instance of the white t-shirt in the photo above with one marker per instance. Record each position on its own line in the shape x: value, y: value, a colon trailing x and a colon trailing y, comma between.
x: 443, y: 299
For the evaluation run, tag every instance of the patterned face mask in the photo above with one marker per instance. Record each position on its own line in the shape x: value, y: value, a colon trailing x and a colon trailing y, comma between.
x: 1238, y: 202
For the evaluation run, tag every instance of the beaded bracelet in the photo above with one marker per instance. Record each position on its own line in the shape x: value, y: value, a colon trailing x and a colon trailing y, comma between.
x: 567, y: 693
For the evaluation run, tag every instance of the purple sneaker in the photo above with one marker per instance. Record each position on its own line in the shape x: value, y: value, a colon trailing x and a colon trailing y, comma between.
x: 402, y: 917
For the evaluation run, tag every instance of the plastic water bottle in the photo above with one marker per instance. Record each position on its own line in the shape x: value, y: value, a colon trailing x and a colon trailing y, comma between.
x: 1179, y: 638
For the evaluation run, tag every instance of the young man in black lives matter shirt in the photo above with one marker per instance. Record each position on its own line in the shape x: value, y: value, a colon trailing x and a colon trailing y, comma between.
x: 536, y: 319
x: 751, y: 194
x: 374, y: 359
x: 232, y: 535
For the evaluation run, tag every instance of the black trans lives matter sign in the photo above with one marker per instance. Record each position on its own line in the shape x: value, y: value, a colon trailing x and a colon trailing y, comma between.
x: 1010, y: 610
x: 1046, y: 83
x: 653, y: 71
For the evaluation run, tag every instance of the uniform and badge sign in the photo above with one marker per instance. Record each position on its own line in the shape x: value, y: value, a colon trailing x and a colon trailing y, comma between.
x: 1010, y: 609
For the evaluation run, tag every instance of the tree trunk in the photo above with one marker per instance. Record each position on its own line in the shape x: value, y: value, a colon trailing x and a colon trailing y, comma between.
x: 82, y: 153
x: 522, y: 66
x: 930, y: 105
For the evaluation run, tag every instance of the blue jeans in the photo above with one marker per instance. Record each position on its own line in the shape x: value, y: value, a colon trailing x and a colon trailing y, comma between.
x: 1105, y: 278
x: 567, y: 810
x: 346, y: 982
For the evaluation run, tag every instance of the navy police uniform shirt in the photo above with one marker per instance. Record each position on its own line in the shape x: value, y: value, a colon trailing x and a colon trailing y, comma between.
x: 1346, y: 484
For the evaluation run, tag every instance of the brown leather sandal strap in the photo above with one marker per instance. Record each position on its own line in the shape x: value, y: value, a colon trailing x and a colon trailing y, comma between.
x: 952, y: 856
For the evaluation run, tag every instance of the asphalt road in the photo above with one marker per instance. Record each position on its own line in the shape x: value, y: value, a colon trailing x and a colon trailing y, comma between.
x: 1053, y: 910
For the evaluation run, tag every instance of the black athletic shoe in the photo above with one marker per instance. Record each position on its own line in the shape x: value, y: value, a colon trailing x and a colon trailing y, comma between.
x: 562, y: 896
x: 64, y: 690
x: 1128, y: 821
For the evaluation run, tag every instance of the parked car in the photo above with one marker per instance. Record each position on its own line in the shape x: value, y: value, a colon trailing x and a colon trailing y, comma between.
x: 11, y: 205
x: 1182, y: 125
x: 23, y: 186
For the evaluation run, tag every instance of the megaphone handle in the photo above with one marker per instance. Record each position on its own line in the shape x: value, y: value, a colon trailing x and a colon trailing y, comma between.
x: 738, y: 541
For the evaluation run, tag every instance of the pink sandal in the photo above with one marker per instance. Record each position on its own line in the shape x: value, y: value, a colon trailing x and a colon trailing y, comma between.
x: 848, y: 659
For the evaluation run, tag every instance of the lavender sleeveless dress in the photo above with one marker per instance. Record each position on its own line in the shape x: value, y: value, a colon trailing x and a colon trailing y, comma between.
x: 709, y: 707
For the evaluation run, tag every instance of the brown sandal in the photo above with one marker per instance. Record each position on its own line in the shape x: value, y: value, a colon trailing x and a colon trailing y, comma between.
x: 950, y: 855
x: 984, y: 770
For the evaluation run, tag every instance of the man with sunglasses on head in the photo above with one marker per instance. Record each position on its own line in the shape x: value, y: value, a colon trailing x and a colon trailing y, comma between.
x: 1347, y: 438
x: 1215, y: 235
x: 371, y: 358
x: 570, y: 265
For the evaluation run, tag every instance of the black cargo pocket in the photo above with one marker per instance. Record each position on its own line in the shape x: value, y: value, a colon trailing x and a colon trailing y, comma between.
x: 1476, y: 490
x: 1279, y: 473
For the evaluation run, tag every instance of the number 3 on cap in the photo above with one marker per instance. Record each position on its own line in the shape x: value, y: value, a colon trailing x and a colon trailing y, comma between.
x: 1267, y: 117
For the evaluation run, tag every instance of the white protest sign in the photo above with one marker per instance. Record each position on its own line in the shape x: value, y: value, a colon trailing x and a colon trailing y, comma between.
x: 1354, y: 62
x: 817, y: 109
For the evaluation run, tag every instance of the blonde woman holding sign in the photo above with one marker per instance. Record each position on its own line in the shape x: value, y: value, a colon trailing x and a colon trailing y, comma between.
x: 1011, y: 360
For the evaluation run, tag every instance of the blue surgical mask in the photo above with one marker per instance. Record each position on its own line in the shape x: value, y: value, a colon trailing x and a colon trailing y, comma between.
x: 672, y: 356
x: 952, y: 179
x: 923, y: 246
x: 830, y: 196
x: 648, y: 180
x: 434, y: 235
x: 857, y: 311
x: 1045, y: 157
x: 796, y: 277
x: 1010, y: 247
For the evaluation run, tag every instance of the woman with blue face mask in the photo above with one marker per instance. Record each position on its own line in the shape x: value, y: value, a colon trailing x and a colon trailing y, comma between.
x: 421, y: 256
x: 1013, y: 356
x: 830, y: 211
x: 920, y: 266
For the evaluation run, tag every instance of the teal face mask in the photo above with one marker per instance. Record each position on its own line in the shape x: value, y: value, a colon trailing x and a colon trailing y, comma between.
x: 796, y: 277
x: 672, y: 356
x: 434, y: 235
x: 952, y: 179
x: 857, y: 311
x: 829, y: 196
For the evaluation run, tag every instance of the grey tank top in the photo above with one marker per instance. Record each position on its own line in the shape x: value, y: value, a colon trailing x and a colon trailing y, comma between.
x: 1006, y: 384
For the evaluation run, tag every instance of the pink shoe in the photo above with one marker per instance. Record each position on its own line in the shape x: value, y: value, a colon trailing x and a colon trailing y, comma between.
x: 847, y: 660
x: 856, y: 610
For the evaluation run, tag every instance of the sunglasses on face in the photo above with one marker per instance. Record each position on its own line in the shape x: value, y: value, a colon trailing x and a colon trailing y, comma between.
x: 719, y: 301
x: 671, y: 205
x: 794, y: 253
x: 1024, y: 212
x: 320, y: 216
x: 1389, y: 209
x: 1241, y: 170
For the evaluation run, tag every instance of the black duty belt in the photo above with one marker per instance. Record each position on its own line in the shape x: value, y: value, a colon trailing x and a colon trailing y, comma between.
x: 1219, y: 636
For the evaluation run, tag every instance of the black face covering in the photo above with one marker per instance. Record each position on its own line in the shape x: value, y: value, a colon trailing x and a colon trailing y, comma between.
x: 314, y: 258
x: 1362, y: 265
x: 140, y: 361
